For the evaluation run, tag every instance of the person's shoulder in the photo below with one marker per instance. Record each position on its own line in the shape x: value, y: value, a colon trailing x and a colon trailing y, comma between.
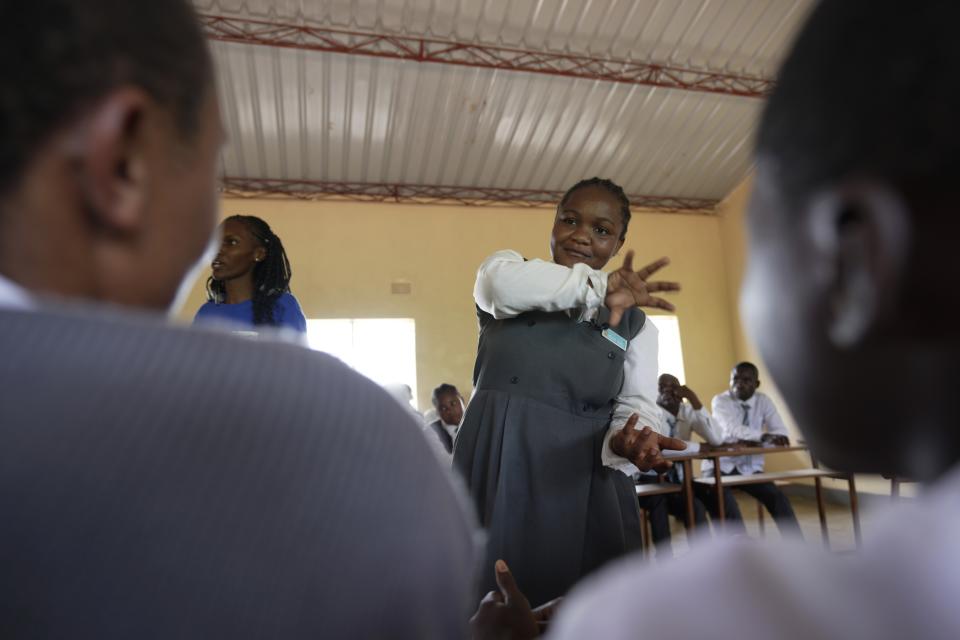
x: 290, y: 313
x: 765, y: 401
x: 503, y: 255
x: 233, y: 431
x: 720, y: 398
x: 286, y: 302
x: 758, y: 585
x: 506, y: 254
x: 189, y: 376
x: 205, y: 309
x: 287, y: 299
x: 114, y: 334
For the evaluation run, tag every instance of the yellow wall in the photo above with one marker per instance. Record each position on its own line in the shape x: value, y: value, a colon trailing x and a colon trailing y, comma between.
x: 345, y: 255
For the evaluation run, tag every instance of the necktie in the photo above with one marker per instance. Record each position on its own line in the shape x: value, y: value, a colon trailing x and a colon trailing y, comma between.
x: 746, y: 415
x: 675, y: 474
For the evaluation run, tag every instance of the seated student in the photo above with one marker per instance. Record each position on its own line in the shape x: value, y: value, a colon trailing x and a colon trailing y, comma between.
x: 449, y: 406
x: 250, y: 284
x: 852, y: 228
x: 158, y: 481
x: 750, y: 417
x: 684, y: 419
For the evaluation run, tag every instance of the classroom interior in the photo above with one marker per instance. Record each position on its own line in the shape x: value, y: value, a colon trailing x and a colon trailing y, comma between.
x: 361, y: 254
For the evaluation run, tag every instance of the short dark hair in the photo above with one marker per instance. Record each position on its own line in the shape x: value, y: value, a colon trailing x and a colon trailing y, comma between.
x: 62, y: 55
x: 442, y: 389
x: 868, y: 90
x: 612, y: 188
x: 748, y: 366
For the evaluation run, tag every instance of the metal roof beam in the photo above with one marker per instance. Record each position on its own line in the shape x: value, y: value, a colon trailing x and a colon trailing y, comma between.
x: 420, y: 49
x: 435, y: 194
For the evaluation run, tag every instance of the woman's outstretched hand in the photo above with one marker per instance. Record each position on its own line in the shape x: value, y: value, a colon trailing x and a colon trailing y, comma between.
x: 628, y: 288
x: 644, y: 447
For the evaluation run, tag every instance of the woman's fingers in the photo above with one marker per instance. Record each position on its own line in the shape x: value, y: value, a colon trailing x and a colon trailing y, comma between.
x: 653, y: 267
x: 673, y: 444
x: 659, y: 303
x: 662, y: 286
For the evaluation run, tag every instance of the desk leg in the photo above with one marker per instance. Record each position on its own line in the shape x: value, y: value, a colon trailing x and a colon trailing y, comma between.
x: 894, y: 488
x: 855, y: 511
x: 688, y: 492
x: 719, y: 488
x: 824, y: 533
x: 646, y: 542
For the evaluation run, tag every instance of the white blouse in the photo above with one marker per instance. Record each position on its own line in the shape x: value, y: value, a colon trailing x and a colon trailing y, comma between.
x: 507, y: 285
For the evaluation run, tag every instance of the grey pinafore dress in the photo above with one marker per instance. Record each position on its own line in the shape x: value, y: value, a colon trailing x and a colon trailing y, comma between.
x: 530, y: 444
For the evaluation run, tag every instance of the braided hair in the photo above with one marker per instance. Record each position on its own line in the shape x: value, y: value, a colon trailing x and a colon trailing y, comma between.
x: 271, y: 276
x: 610, y: 187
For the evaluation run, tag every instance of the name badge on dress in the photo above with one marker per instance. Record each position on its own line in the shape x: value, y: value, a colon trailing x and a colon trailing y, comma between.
x: 615, y: 338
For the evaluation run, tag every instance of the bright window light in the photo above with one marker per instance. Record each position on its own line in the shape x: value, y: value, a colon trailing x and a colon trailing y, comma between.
x: 669, y: 353
x: 382, y: 349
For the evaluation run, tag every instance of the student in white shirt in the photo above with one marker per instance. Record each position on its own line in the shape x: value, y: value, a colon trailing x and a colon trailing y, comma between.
x: 750, y: 417
x: 565, y: 361
x: 681, y: 420
x: 851, y: 251
x: 448, y: 404
x: 684, y: 415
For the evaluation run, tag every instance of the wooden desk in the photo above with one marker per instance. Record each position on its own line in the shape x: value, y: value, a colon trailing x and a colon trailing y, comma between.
x: 659, y: 489
x: 645, y: 490
x: 783, y: 476
x: 774, y: 476
x: 687, y: 461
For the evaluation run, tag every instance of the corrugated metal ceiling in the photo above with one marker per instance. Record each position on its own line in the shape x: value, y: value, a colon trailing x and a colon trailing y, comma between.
x: 331, y: 117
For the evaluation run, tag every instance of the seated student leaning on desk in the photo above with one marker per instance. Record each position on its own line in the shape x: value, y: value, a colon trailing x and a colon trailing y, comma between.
x: 749, y: 416
x: 683, y: 419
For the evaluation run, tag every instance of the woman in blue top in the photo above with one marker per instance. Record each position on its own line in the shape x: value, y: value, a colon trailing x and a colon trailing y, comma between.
x: 250, y: 284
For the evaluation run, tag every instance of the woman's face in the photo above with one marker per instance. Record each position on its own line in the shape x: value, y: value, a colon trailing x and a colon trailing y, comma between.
x: 587, y: 228
x: 239, y: 252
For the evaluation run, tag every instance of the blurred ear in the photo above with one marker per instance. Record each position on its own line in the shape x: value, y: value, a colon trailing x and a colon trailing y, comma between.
x: 860, y: 232
x: 110, y: 153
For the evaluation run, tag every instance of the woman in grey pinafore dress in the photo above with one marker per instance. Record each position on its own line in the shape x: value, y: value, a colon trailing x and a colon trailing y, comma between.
x: 548, y: 379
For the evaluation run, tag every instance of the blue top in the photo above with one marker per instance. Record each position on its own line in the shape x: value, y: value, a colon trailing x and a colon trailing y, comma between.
x: 286, y: 312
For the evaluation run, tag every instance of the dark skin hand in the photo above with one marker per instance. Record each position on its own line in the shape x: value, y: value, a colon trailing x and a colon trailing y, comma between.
x: 627, y: 288
x: 775, y: 439
x: 505, y: 614
x: 687, y: 392
x: 643, y: 447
